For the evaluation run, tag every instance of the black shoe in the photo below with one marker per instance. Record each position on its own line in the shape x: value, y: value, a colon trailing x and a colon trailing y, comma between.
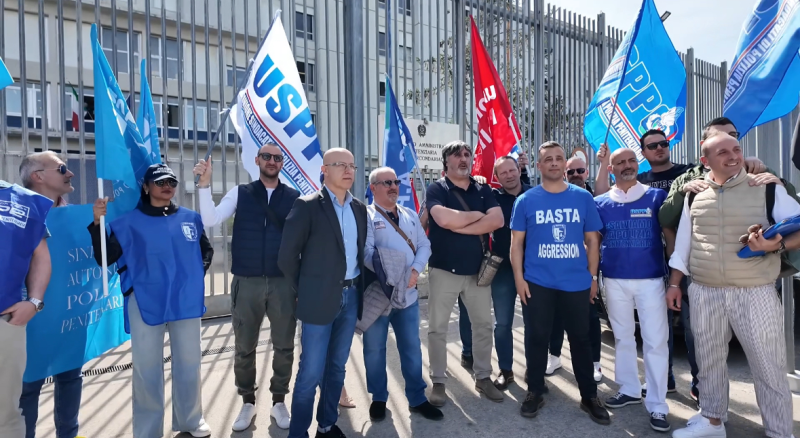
x: 671, y: 385
x: 597, y: 412
x: 658, y: 422
x: 530, y: 407
x: 695, y: 394
x: 505, y: 378
x: 466, y: 362
x: 428, y: 411
x: 526, y: 377
x: 377, y: 411
x: 335, y: 432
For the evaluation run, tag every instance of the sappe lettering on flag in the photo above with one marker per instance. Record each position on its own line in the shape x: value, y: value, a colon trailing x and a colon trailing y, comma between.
x: 146, y: 120
x: 496, y: 137
x: 5, y: 76
x: 764, y: 80
x: 120, y: 151
x: 649, y: 78
x: 272, y: 108
x: 79, y: 323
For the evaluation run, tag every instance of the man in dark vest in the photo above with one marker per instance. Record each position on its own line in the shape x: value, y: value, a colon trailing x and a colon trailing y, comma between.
x: 258, y: 286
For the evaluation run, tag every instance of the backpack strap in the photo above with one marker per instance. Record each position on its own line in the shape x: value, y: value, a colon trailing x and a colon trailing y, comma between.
x: 691, y: 198
x: 770, y: 202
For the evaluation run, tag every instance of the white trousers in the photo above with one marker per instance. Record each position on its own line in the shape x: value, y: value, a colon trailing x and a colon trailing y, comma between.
x: 648, y: 298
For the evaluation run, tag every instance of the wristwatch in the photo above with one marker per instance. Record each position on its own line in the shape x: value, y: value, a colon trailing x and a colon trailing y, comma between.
x: 594, y: 278
x: 782, y: 248
x: 38, y: 303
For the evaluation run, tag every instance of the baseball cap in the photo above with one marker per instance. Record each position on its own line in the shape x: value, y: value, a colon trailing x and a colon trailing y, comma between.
x: 157, y: 172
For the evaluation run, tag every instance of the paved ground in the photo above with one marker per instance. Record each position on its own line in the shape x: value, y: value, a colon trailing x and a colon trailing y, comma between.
x: 106, y: 408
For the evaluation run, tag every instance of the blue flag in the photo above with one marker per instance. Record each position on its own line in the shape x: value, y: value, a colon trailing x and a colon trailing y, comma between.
x: 78, y: 323
x: 120, y: 151
x: 764, y: 80
x: 646, y: 82
x: 146, y: 120
x: 5, y: 76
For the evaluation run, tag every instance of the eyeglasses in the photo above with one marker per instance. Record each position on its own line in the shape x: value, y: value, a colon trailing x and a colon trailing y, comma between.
x: 274, y: 157
x: 340, y: 165
x: 171, y: 182
x: 389, y: 182
x: 580, y: 170
x: 653, y: 146
x: 62, y: 169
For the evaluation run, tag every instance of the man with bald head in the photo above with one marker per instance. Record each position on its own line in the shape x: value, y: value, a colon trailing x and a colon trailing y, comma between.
x: 322, y: 256
x: 731, y: 294
x: 633, y: 266
x: 259, y: 286
x: 577, y: 173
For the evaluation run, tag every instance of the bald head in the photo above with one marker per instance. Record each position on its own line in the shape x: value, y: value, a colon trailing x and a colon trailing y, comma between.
x: 334, y: 155
x: 715, y: 139
x: 624, y: 165
x: 627, y: 153
x: 339, y: 169
x: 723, y: 155
x: 576, y: 172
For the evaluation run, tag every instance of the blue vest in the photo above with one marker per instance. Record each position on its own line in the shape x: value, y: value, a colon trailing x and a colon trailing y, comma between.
x: 164, y: 264
x: 632, y: 247
x: 22, y: 228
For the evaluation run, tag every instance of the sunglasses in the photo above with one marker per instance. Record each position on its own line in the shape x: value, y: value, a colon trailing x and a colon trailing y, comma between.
x: 653, y: 146
x: 161, y: 183
x: 389, y: 182
x: 266, y: 157
x: 62, y: 169
x: 580, y: 171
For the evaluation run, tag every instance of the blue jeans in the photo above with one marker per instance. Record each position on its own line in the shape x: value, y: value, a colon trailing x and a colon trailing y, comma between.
x: 504, y: 299
x: 405, y: 323
x: 324, y: 353
x: 67, y: 403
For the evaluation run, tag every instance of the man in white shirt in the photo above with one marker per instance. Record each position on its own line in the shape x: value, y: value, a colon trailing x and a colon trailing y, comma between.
x: 732, y: 293
x: 258, y: 286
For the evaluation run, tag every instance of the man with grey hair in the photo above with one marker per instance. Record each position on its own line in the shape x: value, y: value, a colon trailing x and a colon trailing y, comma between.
x: 46, y: 174
x: 394, y: 230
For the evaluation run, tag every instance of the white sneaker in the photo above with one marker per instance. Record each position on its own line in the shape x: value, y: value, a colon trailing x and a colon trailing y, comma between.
x: 201, y: 432
x: 700, y: 428
x: 598, y: 372
x: 281, y: 415
x: 553, y: 363
x: 245, y: 417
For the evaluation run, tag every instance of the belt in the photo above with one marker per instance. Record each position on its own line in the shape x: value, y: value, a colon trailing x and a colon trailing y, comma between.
x: 348, y: 283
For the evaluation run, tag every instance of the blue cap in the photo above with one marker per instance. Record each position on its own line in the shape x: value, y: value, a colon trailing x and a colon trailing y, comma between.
x: 157, y: 172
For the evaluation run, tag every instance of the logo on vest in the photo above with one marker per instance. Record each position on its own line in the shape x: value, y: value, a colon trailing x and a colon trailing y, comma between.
x: 190, y: 231
x: 14, y: 213
x: 641, y: 212
x: 559, y: 232
x: 379, y: 225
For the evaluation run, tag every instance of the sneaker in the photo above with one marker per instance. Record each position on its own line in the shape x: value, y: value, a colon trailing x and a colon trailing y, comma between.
x: 530, y: 407
x: 281, y: 415
x: 644, y: 390
x: 598, y: 372
x: 505, y: 378
x: 700, y: 428
x: 695, y: 394
x: 438, y: 395
x: 594, y: 407
x: 377, y: 411
x: 620, y: 400
x: 466, y: 362
x: 671, y: 385
x: 245, y: 417
x: 335, y: 432
x: 553, y: 363
x: 201, y: 432
x: 487, y: 388
x: 428, y: 411
x: 658, y: 422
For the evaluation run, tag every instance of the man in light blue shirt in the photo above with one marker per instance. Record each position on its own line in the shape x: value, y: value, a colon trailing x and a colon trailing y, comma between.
x: 347, y: 223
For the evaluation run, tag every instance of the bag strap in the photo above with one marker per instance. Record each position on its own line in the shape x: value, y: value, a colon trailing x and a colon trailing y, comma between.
x: 397, y: 228
x: 691, y: 198
x: 466, y: 208
x: 270, y: 213
x: 770, y: 202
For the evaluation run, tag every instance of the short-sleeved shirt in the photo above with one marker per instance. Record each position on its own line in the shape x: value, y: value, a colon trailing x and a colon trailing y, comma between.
x: 459, y: 254
x: 554, y: 224
x: 663, y: 180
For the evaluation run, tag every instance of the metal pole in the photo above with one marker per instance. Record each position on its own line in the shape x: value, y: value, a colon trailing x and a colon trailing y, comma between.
x: 691, y: 133
x: 538, y: 81
x: 787, y: 286
x: 354, y: 88
x: 459, y: 66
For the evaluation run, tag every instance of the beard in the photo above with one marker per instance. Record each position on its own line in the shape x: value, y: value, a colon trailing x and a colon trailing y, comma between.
x: 270, y: 173
x: 578, y: 181
x: 462, y: 172
x: 627, y: 175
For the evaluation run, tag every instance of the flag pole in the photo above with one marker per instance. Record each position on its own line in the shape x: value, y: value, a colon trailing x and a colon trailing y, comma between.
x: 227, y: 112
x: 519, y: 142
x: 103, y: 240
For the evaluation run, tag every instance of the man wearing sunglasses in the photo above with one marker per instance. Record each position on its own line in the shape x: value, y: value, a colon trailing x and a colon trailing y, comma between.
x: 259, y: 286
x: 577, y: 173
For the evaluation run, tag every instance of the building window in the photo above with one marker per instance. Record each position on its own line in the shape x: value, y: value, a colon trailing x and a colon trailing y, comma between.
x: 88, y: 105
x: 157, y: 109
x: 306, y: 71
x: 33, y: 100
x: 202, y: 112
x: 405, y: 53
x: 157, y: 57
x: 382, y: 92
x: 239, y: 79
x: 314, y: 119
x: 381, y: 44
x: 124, y: 48
x: 173, y: 113
x: 304, y: 25
x: 404, y: 7
x: 382, y: 4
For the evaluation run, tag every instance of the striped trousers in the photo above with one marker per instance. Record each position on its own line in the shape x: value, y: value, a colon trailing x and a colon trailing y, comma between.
x: 756, y: 316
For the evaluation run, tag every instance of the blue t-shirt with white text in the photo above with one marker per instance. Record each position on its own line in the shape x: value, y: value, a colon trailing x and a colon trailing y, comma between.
x: 554, y: 224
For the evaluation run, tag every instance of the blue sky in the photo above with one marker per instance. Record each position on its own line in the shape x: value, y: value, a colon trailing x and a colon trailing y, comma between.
x: 710, y: 26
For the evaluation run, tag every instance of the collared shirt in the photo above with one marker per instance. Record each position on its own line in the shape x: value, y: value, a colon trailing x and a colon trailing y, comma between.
x: 501, y: 237
x: 633, y: 194
x: 347, y: 223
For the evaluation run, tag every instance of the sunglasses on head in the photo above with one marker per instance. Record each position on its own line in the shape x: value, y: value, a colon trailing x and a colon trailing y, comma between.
x: 170, y: 182
x: 389, y: 182
x: 62, y: 169
x: 580, y: 171
x: 653, y: 146
x: 274, y: 157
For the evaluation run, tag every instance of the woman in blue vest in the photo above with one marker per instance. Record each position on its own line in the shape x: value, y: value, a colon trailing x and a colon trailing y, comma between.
x: 162, y: 253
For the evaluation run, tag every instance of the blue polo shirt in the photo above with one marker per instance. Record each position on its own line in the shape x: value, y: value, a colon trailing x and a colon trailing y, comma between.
x: 554, y: 224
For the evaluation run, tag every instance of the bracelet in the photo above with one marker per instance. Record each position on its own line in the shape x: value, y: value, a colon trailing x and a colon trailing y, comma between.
x: 673, y: 285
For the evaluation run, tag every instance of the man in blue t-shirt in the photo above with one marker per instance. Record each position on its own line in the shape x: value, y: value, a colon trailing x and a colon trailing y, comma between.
x: 555, y: 273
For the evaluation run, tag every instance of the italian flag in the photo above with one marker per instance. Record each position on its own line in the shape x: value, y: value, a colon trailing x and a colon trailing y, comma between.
x: 76, y: 110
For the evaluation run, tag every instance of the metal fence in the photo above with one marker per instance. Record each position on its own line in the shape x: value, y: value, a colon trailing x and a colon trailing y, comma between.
x: 550, y: 60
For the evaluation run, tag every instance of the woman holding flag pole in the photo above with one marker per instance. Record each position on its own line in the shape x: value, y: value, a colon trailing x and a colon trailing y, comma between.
x: 163, y: 254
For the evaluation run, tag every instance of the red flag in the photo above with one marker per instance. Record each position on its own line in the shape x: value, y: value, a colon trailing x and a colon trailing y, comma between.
x: 495, y: 117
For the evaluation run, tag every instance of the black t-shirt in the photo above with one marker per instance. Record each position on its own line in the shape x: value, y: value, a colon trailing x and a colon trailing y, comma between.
x: 663, y: 180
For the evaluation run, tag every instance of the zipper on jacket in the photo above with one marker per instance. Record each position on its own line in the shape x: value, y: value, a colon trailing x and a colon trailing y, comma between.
x: 721, y: 236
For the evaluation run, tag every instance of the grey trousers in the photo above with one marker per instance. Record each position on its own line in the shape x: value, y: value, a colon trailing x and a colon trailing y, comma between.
x: 12, y: 367
x: 251, y: 299
x: 756, y: 316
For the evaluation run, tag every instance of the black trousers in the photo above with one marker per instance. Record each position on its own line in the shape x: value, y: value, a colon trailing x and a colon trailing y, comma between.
x: 573, y: 310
